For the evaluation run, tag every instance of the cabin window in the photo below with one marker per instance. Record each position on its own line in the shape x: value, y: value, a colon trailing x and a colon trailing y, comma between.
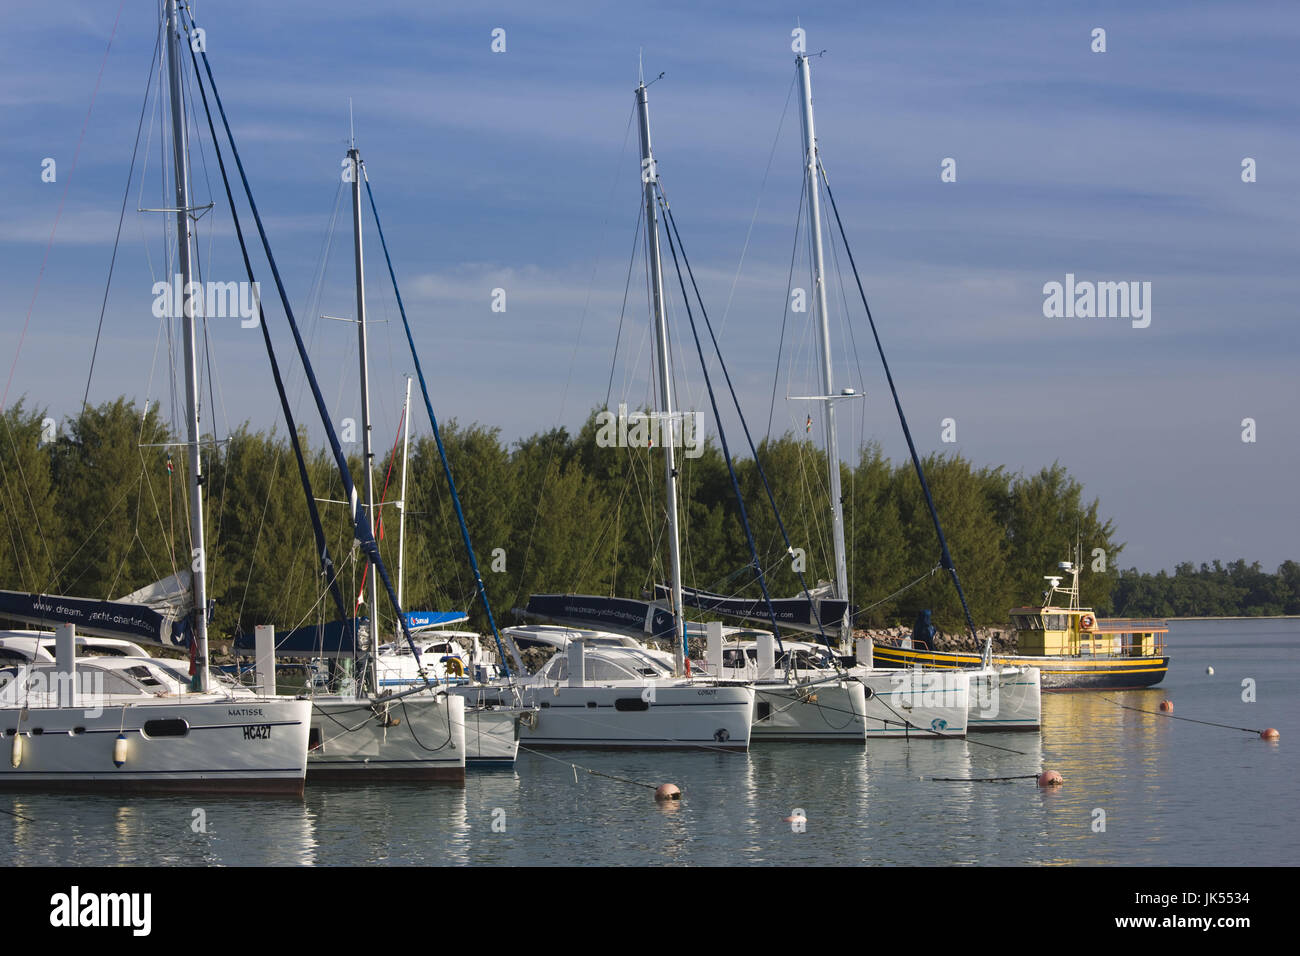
x: 599, y: 670
x: 631, y: 703
x: 144, y: 676
x: 166, y: 727
x: 763, y: 710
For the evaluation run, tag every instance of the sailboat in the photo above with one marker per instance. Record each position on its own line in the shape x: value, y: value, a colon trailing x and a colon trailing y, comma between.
x: 416, y: 734
x: 353, y: 736
x: 492, y: 720
x: 795, y: 699
x: 599, y: 693
x: 117, y: 724
x: 997, y: 697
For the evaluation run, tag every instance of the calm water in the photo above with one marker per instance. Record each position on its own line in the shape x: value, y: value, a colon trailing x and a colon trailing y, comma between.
x: 1173, y: 793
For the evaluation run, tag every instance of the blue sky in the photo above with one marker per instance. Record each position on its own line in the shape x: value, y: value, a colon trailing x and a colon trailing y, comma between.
x: 511, y: 170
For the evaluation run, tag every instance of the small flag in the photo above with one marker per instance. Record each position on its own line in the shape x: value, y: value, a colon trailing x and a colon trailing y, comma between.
x: 807, y: 426
x: 169, y: 463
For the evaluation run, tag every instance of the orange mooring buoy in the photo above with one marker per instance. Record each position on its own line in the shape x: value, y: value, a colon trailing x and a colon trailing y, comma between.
x: 1269, y: 733
x: 1167, y: 706
x: 667, y: 791
x: 1050, y: 778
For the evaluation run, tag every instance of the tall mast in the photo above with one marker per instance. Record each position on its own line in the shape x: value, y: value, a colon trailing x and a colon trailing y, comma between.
x: 367, y: 455
x: 180, y: 159
x: 401, y: 505
x: 648, y: 177
x: 824, y: 337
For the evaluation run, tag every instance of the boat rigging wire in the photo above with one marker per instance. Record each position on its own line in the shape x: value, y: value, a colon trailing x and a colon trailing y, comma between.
x: 67, y: 184
x: 121, y: 217
x: 713, y: 403
x: 906, y: 587
x: 573, y: 356
x: 363, y: 532
x: 442, y: 454
x: 722, y: 323
x: 946, y: 557
x: 672, y: 222
x: 622, y: 312
x: 785, y: 308
x: 322, y: 548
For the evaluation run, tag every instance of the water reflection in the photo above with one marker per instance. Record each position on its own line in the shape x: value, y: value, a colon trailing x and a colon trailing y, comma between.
x: 1172, y: 792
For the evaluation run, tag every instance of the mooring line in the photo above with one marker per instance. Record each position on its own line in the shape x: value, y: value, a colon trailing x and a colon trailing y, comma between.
x: 1157, y: 713
x: 596, y: 773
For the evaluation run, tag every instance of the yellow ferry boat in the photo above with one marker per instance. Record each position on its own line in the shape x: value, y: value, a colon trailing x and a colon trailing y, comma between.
x: 1072, y: 647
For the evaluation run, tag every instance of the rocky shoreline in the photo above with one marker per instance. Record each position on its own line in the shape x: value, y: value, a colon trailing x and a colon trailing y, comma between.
x: 1004, y: 639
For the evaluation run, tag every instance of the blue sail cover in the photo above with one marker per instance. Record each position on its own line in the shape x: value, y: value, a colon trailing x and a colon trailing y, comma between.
x: 625, y: 615
x: 795, y: 613
x: 419, y: 620
x: 121, y: 619
x: 333, y: 639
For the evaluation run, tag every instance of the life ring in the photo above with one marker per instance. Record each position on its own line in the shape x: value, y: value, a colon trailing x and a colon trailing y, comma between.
x: 1086, y: 622
x: 454, y: 666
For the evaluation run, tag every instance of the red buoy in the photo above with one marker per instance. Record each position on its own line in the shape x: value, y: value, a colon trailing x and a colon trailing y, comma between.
x: 1269, y: 733
x: 667, y: 791
x: 1050, y: 778
x: 1167, y: 706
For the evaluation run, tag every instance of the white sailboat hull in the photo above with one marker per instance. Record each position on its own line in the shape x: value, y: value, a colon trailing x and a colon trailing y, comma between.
x: 492, y: 735
x: 913, y: 703
x: 827, y: 711
x: 418, y: 737
x: 190, y: 744
x: 685, y: 716
x: 1005, y: 698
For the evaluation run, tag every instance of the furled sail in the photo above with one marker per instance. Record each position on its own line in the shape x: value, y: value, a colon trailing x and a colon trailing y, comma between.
x: 795, y: 613
x: 158, y: 613
x: 624, y: 615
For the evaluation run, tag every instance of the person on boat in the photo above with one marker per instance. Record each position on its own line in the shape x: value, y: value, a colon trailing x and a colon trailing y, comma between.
x: 923, y: 632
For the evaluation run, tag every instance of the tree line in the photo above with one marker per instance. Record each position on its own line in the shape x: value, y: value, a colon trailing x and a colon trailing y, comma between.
x: 100, y: 508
